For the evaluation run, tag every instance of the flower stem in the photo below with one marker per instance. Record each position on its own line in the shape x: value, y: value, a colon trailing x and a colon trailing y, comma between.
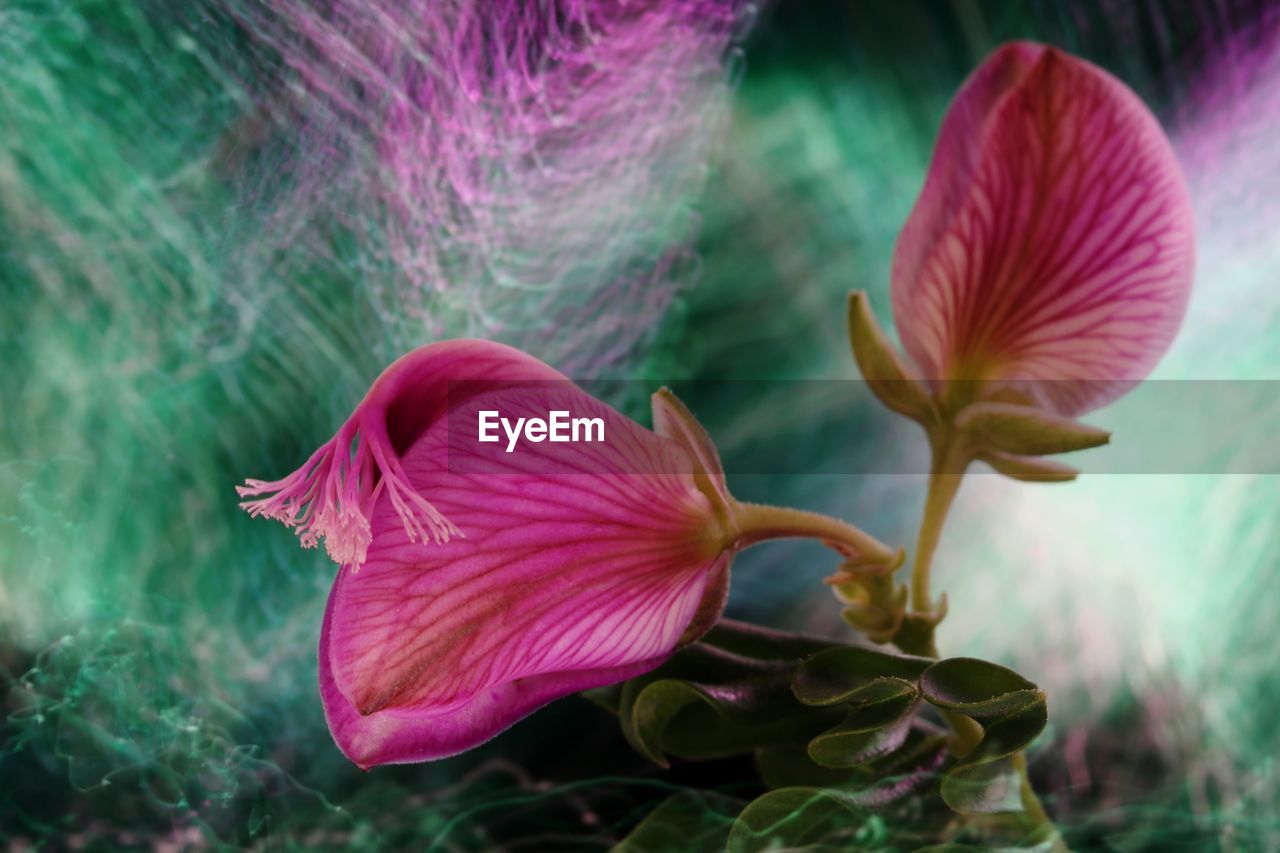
x: 950, y: 459
x: 758, y: 522
x: 967, y: 732
x: 1037, y: 817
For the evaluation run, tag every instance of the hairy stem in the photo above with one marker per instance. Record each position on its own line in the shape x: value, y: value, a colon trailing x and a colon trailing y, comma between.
x: 758, y: 522
x: 950, y: 459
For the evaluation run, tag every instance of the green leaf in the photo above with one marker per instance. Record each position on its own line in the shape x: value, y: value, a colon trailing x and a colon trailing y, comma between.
x: 788, y: 764
x: 835, y: 675
x: 707, y: 703
x: 917, y: 762
x: 1025, y: 430
x: 920, y: 758
x: 990, y: 787
x: 974, y: 687
x: 1010, y: 733
x: 1012, y: 712
x: 884, y: 371
x: 697, y: 721
x: 652, y: 710
x: 696, y: 821
x: 877, y: 725
x: 884, y: 690
x: 1029, y: 469
x: 792, y: 818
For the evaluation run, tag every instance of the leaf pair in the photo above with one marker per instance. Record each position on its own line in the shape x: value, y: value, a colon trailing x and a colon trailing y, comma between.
x: 882, y: 697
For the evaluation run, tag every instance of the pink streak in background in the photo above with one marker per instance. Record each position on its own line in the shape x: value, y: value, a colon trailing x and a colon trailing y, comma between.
x: 527, y: 170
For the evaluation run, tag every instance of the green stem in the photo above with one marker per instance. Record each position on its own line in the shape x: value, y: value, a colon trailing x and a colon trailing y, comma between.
x: 1037, y: 817
x: 967, y: 732
x: 950, y: 459
x: 757, y: 522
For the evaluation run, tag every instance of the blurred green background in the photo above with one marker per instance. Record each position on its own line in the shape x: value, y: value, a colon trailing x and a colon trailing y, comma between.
x: 168, y: 327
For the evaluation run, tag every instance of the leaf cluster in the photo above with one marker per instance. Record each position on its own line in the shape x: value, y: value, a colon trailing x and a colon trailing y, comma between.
x: 840, y: 732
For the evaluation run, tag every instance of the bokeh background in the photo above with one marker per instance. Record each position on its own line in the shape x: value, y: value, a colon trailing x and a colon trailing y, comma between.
x: 219, y: 219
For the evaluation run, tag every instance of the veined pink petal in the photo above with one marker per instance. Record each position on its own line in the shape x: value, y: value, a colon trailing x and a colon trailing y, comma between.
x: 582, y: 564
x: 587, y: 549
x: 1053, y: 239
x: 402, y: 736
x: 333, y: 494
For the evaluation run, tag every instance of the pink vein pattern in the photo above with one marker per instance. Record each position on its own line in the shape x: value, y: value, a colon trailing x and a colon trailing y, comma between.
x: 569, y: 565
x: 1053, y: 241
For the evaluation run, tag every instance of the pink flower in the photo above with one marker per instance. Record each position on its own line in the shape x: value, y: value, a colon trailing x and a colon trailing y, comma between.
x: 1053, y: 238
x: 482, y: 580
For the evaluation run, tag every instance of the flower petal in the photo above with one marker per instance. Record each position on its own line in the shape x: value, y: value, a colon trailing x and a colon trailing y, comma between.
x: 332, y: 495
x: 580, y: 561
x: 1053, y: 239
x: 405, y: 735
x: 672, y: 419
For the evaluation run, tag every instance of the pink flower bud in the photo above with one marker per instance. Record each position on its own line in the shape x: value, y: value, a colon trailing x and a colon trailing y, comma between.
x: 1052, y: 244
